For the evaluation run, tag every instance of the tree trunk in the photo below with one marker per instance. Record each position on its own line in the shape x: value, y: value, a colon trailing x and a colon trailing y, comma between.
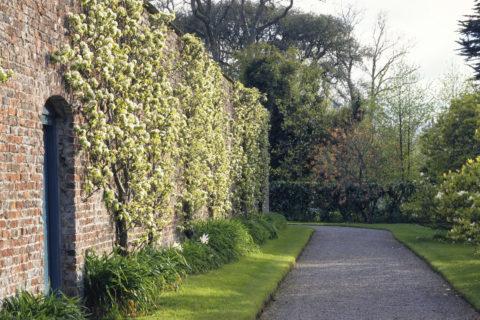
x: 121, y: 234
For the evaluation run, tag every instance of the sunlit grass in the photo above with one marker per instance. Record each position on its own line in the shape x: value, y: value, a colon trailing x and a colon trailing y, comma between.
x: 237, y: 290
x: 455, y: 261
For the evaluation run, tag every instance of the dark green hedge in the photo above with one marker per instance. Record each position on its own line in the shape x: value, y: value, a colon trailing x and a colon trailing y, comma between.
x: 303, y: 201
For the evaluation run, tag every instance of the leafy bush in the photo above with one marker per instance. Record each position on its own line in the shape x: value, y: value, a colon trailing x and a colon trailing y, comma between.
x: 258, y: 229
x: 460, y: 202
x: 422, y: 205
x: 228, y: 237
x: 278, y: 220
x: 24, y: 305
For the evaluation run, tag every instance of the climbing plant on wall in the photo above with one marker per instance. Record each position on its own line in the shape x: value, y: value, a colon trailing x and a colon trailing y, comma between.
x: 4, y: 74
x: 155, y: 125
x: 117, y: 68
x: 205, y: 151
x: 251, y: 164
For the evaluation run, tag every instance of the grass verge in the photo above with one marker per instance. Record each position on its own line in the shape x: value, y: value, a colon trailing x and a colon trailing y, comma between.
x: 455, y: 261
x: 237, y: 290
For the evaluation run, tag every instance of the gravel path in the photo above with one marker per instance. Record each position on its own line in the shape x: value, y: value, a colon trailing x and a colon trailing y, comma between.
x: 349, y: 273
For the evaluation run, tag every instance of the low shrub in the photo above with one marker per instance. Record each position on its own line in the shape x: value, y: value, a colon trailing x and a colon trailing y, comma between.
x: 264, y: 226
x: 118, y: 285
x: 277, y: 219
x: 422, y: 205
x: 257, y: 229
x: 24, y: 305
x: 228, y: 237
x: 459, y: 202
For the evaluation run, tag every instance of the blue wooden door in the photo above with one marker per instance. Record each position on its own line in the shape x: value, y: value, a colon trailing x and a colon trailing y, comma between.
x: 50, y: 216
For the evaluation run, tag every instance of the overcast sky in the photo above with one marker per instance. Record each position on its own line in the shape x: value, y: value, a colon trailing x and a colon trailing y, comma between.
x: 430, y: 25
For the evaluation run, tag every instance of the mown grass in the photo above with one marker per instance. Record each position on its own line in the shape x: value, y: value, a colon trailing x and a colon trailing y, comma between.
x: 455, y: 261
x: 237, y: 290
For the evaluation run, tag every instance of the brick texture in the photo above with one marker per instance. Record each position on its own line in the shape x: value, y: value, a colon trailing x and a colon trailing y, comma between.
x: 29, y: 31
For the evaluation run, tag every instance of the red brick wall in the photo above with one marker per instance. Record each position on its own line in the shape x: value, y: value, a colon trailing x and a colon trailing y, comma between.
x: 30, y: 30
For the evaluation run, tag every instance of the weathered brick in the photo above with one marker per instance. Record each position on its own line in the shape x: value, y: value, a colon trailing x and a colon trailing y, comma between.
x: 29, y: 31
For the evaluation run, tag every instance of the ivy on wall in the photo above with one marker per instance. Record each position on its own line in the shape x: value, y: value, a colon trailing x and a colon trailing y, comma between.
x: 155, y: 127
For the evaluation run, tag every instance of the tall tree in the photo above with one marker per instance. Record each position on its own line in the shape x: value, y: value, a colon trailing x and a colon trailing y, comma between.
x: 296, y: 100
x: 470, y: 38
x: 349, y: 155
x: 214, y: 21
x: 382, y: 54
x: 453, y: 84
x: 402, y: 110
x: 450, y: 142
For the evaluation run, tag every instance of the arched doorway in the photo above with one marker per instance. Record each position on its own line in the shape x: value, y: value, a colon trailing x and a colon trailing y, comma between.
x: 50, y: 212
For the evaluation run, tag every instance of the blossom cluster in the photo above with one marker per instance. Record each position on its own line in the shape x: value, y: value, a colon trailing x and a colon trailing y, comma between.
x: 155, y: 126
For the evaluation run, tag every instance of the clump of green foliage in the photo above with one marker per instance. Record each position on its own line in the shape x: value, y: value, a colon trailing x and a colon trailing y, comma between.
x: 450, y: 141
x: 264, y: 226
x: 228, y: 238
x: 24, y: 305
x: 422, y: 206
x: 117, y: 285
x: 459, y: 197
x: 257, y: 230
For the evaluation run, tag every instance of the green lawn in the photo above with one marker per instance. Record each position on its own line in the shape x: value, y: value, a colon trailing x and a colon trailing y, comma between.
x: 455, y: 261
x: 237, y: 290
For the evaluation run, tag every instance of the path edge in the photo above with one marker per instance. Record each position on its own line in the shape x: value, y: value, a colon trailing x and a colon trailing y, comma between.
x: 269, y: 298
x: 433, y: 268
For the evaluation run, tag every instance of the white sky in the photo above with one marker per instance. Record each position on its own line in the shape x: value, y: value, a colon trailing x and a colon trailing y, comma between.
x: 430, y: 25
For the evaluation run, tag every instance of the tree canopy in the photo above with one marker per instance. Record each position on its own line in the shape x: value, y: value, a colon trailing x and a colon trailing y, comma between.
x: 450, y: 141
x: 470, y: 39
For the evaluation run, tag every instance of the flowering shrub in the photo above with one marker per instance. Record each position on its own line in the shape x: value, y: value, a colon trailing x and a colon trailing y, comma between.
x: 143, y: 125
x: 459, y: 199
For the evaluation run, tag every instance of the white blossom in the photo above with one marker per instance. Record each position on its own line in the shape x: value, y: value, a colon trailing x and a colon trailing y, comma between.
x: 204, y: 238
x: 177, y: 246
